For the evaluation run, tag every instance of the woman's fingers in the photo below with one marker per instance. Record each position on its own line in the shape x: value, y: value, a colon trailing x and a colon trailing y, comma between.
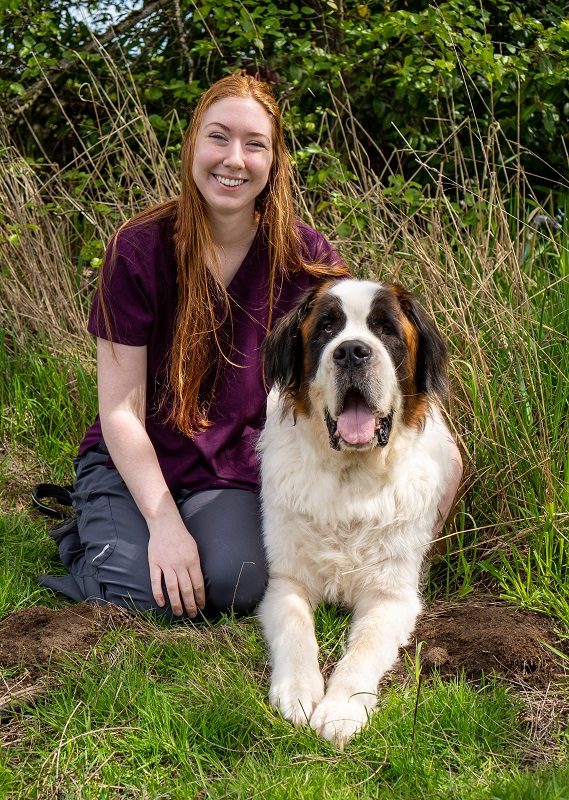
x: 156, y: 583
x: 172, y: 587
x: 198, y: 586
x: 182, y: 593
x: 188, y: 593
x: 174, y: 562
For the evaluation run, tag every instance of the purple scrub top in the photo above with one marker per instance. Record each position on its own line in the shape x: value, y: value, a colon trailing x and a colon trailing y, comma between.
x: 142, y: 299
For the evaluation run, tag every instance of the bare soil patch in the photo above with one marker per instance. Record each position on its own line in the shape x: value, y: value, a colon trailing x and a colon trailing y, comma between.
x: 480, y: 637
x: 31, y: 637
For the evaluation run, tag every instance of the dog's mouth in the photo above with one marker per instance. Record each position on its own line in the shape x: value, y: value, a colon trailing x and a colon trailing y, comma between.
x: 357, y: 425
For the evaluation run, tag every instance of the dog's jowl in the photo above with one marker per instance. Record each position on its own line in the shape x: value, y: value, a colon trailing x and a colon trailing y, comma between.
x: 355, y: 460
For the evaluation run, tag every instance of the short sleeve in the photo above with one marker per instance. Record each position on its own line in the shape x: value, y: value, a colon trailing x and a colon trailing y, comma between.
x: 129, y: 290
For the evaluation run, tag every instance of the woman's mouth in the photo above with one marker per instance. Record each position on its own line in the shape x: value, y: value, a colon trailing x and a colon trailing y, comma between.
x: 230, y: 182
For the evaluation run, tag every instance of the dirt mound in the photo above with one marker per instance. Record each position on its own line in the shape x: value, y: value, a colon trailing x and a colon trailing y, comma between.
x: 30, y: 637
x: 482, y: 638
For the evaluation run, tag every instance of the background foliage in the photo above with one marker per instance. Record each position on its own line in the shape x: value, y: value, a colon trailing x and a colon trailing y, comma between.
x: 413, y: 72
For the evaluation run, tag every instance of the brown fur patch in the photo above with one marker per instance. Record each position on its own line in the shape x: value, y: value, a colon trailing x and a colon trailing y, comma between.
x: 415, y: 405
x: 301, y: 402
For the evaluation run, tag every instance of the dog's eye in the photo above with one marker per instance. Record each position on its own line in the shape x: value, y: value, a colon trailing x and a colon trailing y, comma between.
x: 326, y: 326
x: 381, y: 328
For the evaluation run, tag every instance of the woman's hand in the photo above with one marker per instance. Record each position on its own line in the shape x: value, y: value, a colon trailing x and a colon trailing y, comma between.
x: 173, y: 554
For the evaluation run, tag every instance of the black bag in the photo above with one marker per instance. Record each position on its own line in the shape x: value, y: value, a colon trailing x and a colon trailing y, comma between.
x: 61, y: 495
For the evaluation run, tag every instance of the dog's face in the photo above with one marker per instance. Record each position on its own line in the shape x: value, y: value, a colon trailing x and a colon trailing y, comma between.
x: 357, y: 354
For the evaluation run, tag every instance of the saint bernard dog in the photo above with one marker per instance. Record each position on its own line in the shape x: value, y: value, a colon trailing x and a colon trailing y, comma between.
x: 355, y: 459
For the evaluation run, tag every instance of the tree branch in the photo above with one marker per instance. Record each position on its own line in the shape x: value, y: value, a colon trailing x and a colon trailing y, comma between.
x: 19, y: 105
x: 183, y: 42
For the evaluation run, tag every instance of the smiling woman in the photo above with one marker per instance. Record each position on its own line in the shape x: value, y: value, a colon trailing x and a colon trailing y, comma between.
x: 232, y: 161
x: 234, y: 148
x: 166, y: 489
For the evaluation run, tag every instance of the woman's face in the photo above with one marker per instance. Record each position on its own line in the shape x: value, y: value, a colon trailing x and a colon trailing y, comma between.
x: 233, y: 155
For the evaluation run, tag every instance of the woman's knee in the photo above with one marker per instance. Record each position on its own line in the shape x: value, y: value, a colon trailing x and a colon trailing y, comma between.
x: 236, y: 591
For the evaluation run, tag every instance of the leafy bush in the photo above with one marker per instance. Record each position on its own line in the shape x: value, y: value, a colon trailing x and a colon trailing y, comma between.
x: 412, y: 73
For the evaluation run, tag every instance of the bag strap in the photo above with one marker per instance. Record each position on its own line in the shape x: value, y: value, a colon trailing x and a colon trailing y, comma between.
x: 50, y: 491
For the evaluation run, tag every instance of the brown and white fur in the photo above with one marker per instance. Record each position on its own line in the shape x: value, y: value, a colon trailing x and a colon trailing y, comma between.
x: 355, y: 460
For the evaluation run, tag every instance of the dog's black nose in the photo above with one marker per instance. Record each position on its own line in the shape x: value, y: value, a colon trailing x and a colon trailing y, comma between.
x: 351, y: 354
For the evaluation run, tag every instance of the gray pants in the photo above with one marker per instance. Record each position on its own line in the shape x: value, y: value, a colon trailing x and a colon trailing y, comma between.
x: 108, y: 558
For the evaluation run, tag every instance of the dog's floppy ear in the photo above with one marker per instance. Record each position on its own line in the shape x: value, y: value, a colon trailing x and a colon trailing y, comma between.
x: 281, y: 350
x: 430, y: 373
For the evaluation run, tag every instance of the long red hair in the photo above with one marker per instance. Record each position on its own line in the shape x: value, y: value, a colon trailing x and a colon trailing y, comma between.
x: 196, y: 345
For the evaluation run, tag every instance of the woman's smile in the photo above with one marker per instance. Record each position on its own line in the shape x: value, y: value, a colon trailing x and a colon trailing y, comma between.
x: 231, y: 183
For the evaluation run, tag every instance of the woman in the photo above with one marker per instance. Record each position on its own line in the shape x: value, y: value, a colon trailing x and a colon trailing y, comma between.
x: 166, y: 478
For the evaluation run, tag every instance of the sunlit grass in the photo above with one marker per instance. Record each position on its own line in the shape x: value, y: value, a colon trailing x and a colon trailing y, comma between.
x: 173, y: 714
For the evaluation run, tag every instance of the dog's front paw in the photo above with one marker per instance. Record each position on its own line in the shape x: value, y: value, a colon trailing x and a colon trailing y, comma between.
x: 338, y: 720
x: 297, y: 697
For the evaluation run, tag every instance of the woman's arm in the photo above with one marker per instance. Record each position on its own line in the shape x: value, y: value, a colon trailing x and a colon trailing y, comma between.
x: 172, y: 552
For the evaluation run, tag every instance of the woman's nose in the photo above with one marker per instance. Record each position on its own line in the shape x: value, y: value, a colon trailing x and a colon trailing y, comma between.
x: 234, y: 156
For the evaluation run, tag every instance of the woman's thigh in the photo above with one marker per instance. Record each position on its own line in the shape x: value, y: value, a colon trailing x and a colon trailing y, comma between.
x: 226, y: 524
x: 110, y: 561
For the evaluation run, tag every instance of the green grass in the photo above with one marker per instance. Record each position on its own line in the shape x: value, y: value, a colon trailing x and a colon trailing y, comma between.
x: 175, y: 714
x: 46, y: 403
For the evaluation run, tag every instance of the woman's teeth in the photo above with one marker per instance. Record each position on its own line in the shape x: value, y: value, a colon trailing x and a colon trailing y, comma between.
x: 229, y: 181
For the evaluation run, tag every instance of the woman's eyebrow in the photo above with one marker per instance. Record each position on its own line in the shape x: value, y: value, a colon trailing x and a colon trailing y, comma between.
x: 227, y: 128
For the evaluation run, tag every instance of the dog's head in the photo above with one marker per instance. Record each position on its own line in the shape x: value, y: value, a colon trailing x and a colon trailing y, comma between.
x: 356, y: 354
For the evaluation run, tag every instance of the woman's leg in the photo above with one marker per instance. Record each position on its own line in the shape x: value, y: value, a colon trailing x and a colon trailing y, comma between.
x: 108, y: 558
x: 226, y: 524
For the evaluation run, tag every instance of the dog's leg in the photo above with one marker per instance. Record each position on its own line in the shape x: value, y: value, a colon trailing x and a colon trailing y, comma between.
x: 288, y: 623
x: 380, y: 626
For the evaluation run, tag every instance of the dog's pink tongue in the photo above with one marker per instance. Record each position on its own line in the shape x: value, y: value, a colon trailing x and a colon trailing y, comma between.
x: 356, y: 423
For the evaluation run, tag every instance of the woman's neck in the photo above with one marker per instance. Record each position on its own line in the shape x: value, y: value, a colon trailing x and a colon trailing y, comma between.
x: 232, y: 239
x: 230, y: 231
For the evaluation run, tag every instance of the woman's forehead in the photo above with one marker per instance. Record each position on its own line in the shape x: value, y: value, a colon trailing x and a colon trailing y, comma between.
x: 242, y: 112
